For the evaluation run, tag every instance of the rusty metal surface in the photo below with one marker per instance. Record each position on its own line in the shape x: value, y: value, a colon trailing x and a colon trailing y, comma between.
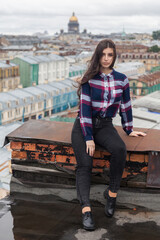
x: 60, y: 133
x: 153, y: 176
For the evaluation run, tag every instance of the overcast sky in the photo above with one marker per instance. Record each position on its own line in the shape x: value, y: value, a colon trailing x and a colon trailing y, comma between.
x: 97, y: 16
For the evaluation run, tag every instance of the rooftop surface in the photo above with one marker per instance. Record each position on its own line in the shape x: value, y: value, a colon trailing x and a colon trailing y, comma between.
x: 28, y: 218
x: 150, y: 101
x: 39, y: 59
x: 38, y: 130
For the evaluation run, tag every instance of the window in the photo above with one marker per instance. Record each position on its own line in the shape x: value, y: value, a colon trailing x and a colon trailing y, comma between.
x: 9, y: 104
x: 10, y: 83
x: 17, y: 111
x: 48, y: 103
x: 32, y: 99
x: 4, y: 73
x: 33, y: 107
x: 9, y: 114
x: 39, y: 105
x: 26, y: 109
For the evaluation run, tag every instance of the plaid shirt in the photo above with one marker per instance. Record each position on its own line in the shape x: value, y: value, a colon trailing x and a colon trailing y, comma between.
x: 104, y: 95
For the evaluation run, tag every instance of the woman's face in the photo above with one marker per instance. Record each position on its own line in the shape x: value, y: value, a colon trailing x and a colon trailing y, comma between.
x: 107, y: 57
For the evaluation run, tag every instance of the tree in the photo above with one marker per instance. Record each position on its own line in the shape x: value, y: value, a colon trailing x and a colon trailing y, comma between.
x: 156, y: 35
x: 154, y: 48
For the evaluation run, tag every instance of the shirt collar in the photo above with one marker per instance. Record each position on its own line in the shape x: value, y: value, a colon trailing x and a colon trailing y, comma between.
x: 106, y: 75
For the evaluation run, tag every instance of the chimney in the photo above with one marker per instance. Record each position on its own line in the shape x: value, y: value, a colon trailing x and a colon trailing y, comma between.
x: 7, y: 62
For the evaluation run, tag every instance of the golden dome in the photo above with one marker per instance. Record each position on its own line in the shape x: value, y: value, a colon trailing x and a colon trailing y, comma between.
x: 73, y: 18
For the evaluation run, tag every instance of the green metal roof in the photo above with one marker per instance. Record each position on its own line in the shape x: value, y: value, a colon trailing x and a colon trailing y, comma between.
x: 62, y: 119
x: 155, y: 69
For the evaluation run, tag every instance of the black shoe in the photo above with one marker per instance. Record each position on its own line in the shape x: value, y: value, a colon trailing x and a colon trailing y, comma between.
x: 87, y: 221
x: 110, y: 204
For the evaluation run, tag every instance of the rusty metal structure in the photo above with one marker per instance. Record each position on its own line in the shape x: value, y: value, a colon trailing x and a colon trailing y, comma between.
x: 42, y: 153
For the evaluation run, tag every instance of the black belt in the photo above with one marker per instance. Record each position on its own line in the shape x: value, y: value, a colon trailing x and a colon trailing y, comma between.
x: 98, y: 121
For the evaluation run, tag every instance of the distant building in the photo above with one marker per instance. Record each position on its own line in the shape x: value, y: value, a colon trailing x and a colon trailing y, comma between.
x: 4, y: 42
x: 150, y: 59
x: 130, y: 48
x: 36, y: 70
x: 131, y: 69
x: 3, y: 55
x: 9, y: 76
x: 73, y: 33
x: 37, y: 102
x: 73, y: 25
x: 77, y: 71
x: 21, y: 40
x: 144, y: 84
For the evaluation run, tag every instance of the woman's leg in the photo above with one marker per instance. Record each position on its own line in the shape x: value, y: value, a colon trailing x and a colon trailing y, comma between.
x: 84, y: 165
x: 108, y: 137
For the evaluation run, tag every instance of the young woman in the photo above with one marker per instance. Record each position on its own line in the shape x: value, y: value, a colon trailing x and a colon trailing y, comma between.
x: 102, y: 91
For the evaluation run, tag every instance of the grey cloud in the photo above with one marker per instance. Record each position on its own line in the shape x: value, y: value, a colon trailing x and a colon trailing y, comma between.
x: 97, y: 16
x: 85, y: 8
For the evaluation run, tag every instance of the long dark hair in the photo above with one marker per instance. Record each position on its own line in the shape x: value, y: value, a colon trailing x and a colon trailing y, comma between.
x: 94, y: 63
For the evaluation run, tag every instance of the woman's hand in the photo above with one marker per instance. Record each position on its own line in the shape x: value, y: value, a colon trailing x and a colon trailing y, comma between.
x: 90, y: 147
x: 136, y: 134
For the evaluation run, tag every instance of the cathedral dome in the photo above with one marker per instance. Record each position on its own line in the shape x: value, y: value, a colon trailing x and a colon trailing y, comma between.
x: 73, y: 18
x: 73, y: 25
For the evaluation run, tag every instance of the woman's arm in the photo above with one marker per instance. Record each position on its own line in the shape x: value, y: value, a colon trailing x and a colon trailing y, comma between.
x: 86, y: 112
x: 126, y: 109
x: 126, y: 112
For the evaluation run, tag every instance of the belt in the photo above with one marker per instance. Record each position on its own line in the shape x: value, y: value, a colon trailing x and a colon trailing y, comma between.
x: 98, y: 121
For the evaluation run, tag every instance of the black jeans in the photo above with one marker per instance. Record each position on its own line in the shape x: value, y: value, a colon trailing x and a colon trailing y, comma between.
x: 106, y: 136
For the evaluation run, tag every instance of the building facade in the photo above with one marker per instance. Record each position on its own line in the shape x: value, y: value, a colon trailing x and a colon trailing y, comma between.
x: 150, y: 60
x: 131, y: 68
x: 9, y: 76
x: 144, y: 84
x: 37, y: 102
x: 36, y: 70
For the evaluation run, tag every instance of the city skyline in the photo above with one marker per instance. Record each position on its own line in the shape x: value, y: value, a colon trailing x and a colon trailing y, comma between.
x: 28, y: 17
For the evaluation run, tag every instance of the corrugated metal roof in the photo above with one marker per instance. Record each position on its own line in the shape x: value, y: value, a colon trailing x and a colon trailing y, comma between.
x: 150, y: 101
x: 141, y: 119
x: 5, y: 97
x: 35, y: 90
x: 42, y: 58
x: 5, y: 155
x: 6, y: 129
x: 28, y: 60
x: 59, y: 85
x: 77, y: 67
x: 47, y: 88
x: 5, y: 65
x: 20, y: 93
x: 62, y: 119
x: 18, y: 47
